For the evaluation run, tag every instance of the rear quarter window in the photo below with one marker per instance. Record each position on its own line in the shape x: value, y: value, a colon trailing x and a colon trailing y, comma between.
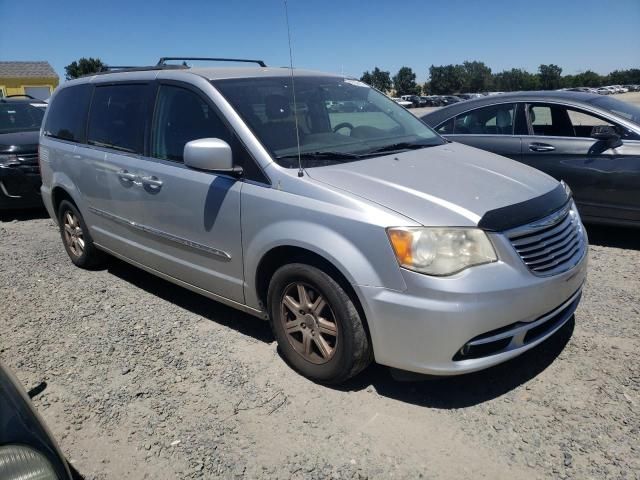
x: 118, y: 117
x: 67, y: 114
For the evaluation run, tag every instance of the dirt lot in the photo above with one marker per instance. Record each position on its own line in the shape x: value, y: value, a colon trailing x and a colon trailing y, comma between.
x: 147, y: 380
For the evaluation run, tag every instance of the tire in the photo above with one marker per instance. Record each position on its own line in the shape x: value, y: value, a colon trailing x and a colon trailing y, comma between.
x: 76, y: 238
x: 324, y: 341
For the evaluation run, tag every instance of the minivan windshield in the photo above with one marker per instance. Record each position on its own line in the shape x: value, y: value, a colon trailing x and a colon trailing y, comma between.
x: 19, y: 117
x: 339, y: 120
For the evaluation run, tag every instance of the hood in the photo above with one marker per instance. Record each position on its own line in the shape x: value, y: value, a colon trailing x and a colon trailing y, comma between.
x: 19, y: 142
x: 447, y: 185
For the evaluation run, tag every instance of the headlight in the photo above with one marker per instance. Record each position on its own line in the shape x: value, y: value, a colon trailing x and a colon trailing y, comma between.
x: 8, y: 158
x: 440, y: 251
x: 18, y: 462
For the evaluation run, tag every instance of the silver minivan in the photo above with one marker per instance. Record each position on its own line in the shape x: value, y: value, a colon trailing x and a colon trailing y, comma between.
x: 358, y: 232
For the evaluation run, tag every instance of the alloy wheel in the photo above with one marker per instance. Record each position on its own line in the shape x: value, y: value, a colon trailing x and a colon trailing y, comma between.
x: 73, y: 235
x: 309, y: 323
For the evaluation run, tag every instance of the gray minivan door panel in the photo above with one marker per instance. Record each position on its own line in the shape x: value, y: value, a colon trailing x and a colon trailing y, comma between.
x: 191, y: 220
x: 192, y: 227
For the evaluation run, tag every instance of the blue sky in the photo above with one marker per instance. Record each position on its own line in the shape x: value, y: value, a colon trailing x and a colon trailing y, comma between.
x: 348, y: 35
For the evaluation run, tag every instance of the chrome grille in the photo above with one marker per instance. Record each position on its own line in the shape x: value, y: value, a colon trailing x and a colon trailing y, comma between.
x: 551, y: 245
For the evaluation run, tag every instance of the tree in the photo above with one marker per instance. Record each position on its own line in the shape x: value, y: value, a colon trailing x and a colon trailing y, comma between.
x: 404, y: 82
x: 625, y: 77
x: 377, y: 79
x: 550, y: 76
x: 84, y: 66
x: 446, y: 79
x: 515, y: 80
x: 477, y: 77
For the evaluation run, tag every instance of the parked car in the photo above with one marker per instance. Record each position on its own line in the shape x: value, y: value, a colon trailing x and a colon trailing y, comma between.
x: 404, y: 103
x: 468, y: 96
x: 432, y: 101
x: 20, y: 120
x: 414, y: 99
x: 27, y: 448
x: 450, y: 99
x: 603, y: 91
x: 359, y: 239
x: 589, y: 141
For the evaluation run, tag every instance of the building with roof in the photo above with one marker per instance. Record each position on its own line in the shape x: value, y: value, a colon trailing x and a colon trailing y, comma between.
x: 37, y: 79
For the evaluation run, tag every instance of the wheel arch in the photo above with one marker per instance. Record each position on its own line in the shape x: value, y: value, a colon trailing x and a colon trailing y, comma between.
x: 287, y: 254
x: 58, y: 194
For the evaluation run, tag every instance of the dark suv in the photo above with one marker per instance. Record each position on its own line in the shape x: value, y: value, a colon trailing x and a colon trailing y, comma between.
x: 20, y: 120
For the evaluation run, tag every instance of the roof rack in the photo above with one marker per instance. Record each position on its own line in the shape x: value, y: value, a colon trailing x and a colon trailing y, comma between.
x: 163, y: 60
x: 116, y: 68
x: 163, y: 65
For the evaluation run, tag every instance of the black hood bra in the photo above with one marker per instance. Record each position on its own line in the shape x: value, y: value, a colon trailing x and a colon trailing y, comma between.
x: 519, y: 214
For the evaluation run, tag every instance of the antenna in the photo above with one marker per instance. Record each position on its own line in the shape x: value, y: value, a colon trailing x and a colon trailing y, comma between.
x: 293, y: 91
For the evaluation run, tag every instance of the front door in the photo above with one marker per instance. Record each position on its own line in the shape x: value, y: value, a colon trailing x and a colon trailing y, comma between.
x: 191, y: 217
x: 604, y: 180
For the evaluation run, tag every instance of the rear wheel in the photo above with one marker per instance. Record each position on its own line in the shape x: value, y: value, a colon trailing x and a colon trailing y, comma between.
x: 76, y: 238
x: 316, y: 324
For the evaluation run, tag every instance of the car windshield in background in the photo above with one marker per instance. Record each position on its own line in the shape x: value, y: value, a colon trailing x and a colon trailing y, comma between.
x: 339, y: 120
x: 622, y: 109
x: 19, y: 117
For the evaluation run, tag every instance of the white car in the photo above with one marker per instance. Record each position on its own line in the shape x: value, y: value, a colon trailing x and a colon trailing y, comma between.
x: 403, y: 103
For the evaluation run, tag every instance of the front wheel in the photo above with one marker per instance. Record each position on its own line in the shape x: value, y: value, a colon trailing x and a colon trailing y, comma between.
x: 316, y: 324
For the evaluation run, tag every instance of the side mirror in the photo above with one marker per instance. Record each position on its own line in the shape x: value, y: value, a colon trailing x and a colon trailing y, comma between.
x: 211, y: 154
x: 606, y: 133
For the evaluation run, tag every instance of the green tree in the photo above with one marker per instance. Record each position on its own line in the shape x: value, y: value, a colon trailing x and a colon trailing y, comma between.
x: 625, y: 77
x: 477, y: 77
x: 378, y: 79
x: 366, y: 78
x: 84, y: 66
x: 446, y: 79
x: 404, y: 82
x: 589, y: 79
x: 550, y: 76
x: 515, y: 80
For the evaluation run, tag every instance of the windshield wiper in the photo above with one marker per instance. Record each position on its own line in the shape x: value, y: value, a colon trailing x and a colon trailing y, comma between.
x: 396, y: 147
x: 320, y: 155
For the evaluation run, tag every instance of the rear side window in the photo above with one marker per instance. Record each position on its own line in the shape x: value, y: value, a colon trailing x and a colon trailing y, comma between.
x: 67, y: 114
x: 492, y: 120
x: 445, y: 128
x: 118, y: 117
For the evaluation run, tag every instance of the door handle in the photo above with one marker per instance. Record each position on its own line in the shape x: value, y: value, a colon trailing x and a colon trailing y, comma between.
x: 152, y: 182
x: 126, y: 176
x: 541, y: 147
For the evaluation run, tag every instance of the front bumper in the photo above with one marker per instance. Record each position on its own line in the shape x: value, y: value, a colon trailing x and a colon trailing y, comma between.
x: 478, y: 318
x: 19, y: 189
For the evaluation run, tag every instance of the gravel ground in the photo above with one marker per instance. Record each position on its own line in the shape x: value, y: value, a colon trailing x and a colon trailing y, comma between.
x: 147, y: 380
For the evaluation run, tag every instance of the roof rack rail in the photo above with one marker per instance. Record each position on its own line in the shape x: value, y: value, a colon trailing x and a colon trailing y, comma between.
x: 115, y: 69
x: 163, y: 60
